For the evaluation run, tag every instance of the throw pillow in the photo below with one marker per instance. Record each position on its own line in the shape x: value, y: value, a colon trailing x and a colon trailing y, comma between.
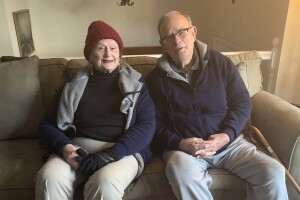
x: 248, y: 64
x: 20, y: 103
x: 10, y: 58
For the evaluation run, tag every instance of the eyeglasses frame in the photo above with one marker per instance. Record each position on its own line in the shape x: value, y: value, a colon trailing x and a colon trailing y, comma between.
x: 173, y: 35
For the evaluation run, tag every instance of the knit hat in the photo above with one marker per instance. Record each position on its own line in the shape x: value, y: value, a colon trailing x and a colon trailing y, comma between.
x: 99, y: 30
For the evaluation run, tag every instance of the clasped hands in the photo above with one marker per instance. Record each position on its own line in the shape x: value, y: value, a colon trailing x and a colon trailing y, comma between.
x: 87, y: 163
x: 204, y: 148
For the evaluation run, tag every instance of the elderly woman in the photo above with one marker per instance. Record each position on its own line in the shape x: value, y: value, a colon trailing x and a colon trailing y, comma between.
x: 105, y: 121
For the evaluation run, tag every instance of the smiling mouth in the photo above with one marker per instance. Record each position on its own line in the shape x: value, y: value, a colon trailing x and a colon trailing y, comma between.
x: 107, y: 61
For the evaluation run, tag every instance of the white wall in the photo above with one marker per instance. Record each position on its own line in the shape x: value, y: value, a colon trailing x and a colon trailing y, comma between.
x: 60, y: 26
x: 287, y: 86
x: 246, y: 25
x: 251, y: 24
x: 5, y: 39
x: 10, y: 7
x: 8, y: 39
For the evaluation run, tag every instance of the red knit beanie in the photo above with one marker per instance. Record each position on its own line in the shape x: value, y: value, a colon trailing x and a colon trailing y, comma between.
x: 99, y: 30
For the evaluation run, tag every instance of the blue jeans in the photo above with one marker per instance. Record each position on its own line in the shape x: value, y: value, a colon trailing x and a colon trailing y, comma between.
x: 188, y: 176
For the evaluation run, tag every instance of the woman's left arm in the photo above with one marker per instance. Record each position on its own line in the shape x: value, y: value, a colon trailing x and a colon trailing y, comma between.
x: 140, y: 133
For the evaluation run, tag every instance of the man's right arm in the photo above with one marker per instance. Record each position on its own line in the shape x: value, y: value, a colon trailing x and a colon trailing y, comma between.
x: 164, y: 137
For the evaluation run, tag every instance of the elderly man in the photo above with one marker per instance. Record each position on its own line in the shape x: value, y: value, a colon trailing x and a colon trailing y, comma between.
x: 202, y: 106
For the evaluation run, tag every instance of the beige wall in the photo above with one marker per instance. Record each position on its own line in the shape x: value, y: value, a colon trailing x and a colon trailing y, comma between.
x: 10, y: 43
x: 5, y: 39
x: 287, y: 86
x: 59, y: 26
x: 246, y: 25
x: 251, y: 24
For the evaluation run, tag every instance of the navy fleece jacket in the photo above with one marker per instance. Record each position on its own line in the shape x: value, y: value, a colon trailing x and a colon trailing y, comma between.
x: 219, y: 102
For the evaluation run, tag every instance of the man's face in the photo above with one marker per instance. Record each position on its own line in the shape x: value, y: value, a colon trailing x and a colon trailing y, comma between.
x: 178, y: 37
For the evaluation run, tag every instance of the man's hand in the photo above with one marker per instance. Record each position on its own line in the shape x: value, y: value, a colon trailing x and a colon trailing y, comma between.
x: 190, y: 145
x: 69, y: 154
x: 204, y: 148
x: 95, y: 161
x: 210, y: 146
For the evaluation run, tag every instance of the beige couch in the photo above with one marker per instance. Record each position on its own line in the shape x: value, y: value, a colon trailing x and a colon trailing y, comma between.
x: 26, y: 89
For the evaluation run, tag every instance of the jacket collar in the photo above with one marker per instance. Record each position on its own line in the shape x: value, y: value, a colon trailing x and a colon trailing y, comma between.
x: 164, y: 64
x: 129, y: 79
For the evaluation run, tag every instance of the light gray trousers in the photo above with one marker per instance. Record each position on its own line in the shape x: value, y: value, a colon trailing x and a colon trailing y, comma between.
x: 188, y: 176
x: 58, y: 180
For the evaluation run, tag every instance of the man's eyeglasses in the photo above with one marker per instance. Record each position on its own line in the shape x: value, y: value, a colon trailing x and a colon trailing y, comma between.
x: 182, y: 33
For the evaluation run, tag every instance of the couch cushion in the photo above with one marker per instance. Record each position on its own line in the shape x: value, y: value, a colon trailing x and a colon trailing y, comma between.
x: 21, y: 103
x: 153, y: 183
x: 248, y: 64
x: 52, y: 75
x: 10, y: 58
x: 20, y: 160
x: 142, y: 64
x: 74, y: 65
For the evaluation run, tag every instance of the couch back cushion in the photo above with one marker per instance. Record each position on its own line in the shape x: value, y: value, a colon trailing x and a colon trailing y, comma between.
x: 73, y: 66
x: 21, y: 102
x: 52, y: 74
x: 248, y: 64
x: 142, y: 64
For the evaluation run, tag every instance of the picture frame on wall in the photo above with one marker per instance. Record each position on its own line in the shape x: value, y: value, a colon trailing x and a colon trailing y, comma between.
x: 24, y: 33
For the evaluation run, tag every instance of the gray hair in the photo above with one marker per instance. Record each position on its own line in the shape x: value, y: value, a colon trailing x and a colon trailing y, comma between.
x: 167, y: 15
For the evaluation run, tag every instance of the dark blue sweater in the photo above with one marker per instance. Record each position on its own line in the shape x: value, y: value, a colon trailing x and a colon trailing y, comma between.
x: 219, y: 102
x: 136, y: 139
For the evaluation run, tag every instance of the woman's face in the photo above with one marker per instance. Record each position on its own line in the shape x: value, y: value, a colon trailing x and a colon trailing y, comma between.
x: 105, y: 56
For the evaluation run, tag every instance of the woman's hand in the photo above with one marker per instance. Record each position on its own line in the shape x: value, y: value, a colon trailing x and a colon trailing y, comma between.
x: 69, y: 154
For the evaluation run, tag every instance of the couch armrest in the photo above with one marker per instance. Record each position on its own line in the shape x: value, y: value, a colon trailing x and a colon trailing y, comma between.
x: 279, y: 121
